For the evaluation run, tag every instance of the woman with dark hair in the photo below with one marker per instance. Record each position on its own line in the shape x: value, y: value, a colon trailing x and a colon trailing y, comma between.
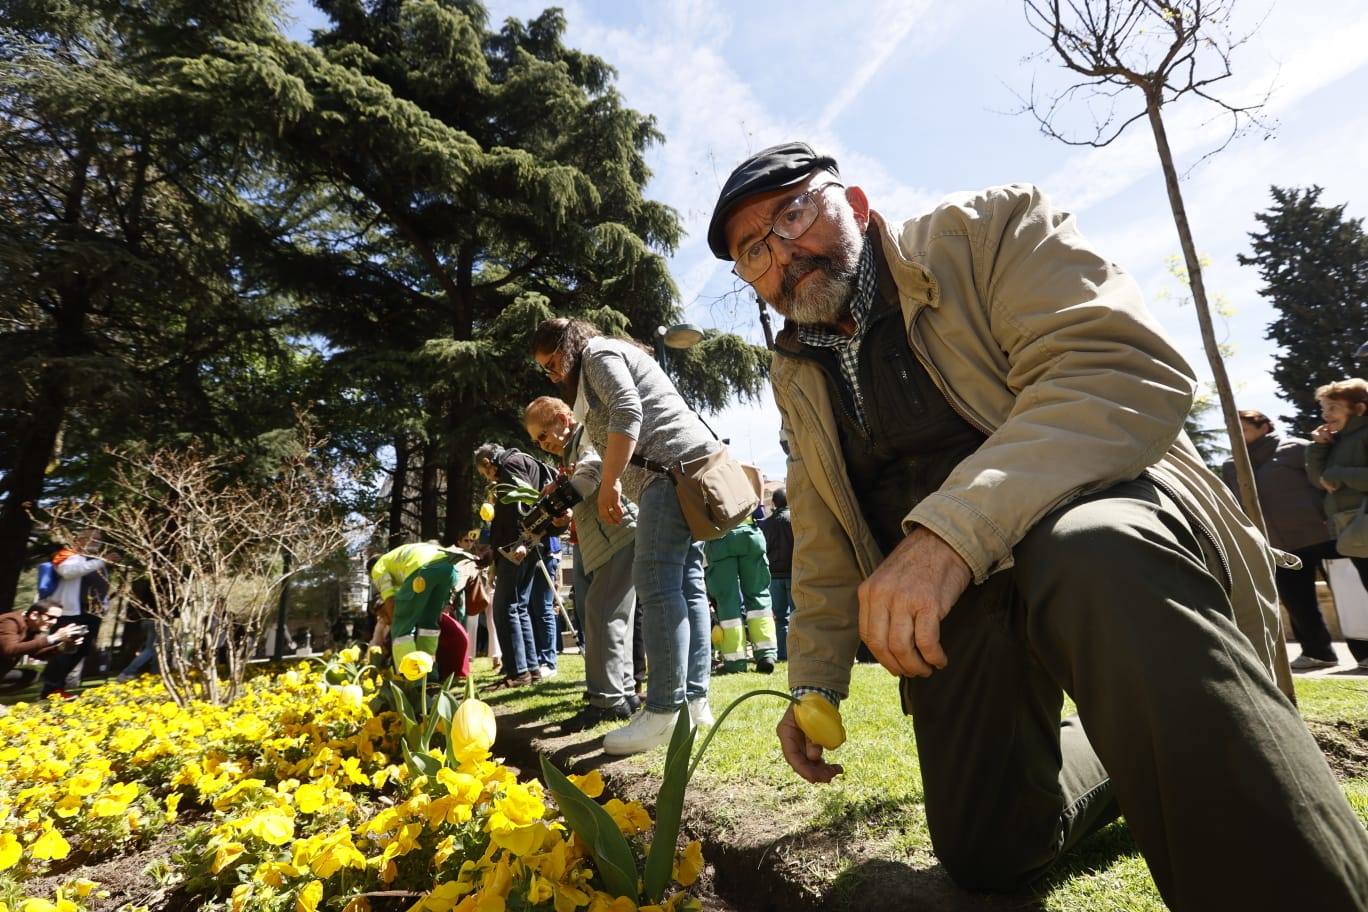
x: 636, y: 419
x: 1292, y: 511
x: 1337, y: 462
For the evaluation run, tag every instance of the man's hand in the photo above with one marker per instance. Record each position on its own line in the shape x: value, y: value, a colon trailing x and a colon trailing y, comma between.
x: 1329, y: 486
x: 902, y: 603
x: 61, y: 634
x: 519, y: 553
x: 562, y: 521
x: 1323, y: 434
x: 803, y: 755
x: 610, y: 502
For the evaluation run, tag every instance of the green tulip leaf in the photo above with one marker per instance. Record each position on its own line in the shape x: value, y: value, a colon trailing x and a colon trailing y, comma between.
x: 655, y: 876
x: 612, y: 855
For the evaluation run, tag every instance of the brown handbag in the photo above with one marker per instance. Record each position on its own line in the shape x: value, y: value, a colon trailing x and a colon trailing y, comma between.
x: 716, y: 493
x: 478, y: 594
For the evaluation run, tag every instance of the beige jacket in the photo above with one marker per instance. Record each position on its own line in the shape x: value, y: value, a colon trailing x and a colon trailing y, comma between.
x: 1047, y: 347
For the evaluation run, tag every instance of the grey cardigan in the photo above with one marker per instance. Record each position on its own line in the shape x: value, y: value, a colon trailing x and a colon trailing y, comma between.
x: 597, y: 542
x: 626, y: 392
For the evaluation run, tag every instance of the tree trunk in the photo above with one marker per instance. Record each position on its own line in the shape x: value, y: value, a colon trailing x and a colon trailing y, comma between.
x: 459, y: 445
x: 395, y: 533
x: 23, y: 483
x: 1244, y: 471
x: 459, y: 491
x: 427, y: 516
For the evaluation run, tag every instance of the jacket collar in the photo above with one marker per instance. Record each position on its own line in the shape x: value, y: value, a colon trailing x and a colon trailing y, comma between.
x: 915, y: 282
x: 1262, y: 450
x: 1354, y: 425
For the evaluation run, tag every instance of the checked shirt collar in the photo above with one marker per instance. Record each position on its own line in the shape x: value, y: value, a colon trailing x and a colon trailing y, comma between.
x: 847, y: 348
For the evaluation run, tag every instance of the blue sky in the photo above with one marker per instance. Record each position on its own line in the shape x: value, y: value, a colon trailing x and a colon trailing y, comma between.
x: 913, y: 98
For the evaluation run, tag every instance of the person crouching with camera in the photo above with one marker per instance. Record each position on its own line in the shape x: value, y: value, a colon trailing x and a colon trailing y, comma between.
x: 608, y: 553
x: 32, y: 632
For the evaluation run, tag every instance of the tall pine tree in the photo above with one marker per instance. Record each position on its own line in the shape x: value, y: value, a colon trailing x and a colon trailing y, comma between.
x: 490, y: 178
x: 1314, y: 266
x: 126, y: 317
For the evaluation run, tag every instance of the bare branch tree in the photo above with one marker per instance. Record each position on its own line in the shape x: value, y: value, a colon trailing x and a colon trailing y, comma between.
x: 1155, y: 51
x: 215, y: 552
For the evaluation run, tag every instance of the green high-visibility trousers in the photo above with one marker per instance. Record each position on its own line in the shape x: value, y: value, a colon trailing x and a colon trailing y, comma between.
x: 417, y: 606
x: 738, y: 572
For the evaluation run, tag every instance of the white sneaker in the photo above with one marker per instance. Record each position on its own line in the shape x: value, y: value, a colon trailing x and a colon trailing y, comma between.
x: 646, y: 730
x: 547, y: 672
x: 700, y: 713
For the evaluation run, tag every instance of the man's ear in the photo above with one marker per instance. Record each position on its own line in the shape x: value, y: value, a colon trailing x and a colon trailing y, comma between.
x: 859, y: 204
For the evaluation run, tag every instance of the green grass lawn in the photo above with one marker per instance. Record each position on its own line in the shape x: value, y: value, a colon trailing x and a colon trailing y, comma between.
x: 744, y: 790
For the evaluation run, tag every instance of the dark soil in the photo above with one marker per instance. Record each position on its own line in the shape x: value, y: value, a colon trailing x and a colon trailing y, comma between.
x: 1345, y: 745
x: 121, y: 874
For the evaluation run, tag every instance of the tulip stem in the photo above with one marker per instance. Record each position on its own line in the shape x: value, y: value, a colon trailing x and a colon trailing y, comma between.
x: 721, y: 718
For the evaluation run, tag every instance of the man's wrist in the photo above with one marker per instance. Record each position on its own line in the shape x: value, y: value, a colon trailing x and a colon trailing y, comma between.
x: 830, y: 695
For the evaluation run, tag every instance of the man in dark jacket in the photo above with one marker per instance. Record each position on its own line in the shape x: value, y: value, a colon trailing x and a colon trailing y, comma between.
x: 524, y: 614
x: 1292, y: 511
x: 778, y: 532
x: 30, y: 633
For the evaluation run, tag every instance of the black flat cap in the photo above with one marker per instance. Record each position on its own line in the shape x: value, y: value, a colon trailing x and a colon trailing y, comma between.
x: 771, y: 169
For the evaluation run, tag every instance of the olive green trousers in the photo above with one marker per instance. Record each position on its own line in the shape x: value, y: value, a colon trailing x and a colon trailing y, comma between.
x: 1179, y: 726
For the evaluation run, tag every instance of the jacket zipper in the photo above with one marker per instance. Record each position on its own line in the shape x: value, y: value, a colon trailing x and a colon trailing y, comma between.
x: 1229, y: 578
x: 851, y: 419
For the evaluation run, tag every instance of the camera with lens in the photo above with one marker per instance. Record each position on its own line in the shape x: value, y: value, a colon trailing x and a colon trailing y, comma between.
x: 540, y: 519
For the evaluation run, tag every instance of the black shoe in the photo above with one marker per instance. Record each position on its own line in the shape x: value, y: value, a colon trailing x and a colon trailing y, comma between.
x: 764, y: 666
x: 634, y: 702
x: 590, y: 716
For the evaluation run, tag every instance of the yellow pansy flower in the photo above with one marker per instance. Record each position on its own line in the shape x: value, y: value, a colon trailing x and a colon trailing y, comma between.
x: 689, y: 865
x: 49, y: 846
x: 10, y: 851
x: 128, y: 739
x: 309, y: 798
x: 115, y: 801
x: 590, y: 783
x: 67, y: 806
x: 309, y: 897
x: 173, y: 801
x: 630, y: 817
x: 272, y: 826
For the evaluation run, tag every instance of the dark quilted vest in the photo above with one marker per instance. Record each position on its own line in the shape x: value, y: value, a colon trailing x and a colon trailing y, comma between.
x: 915, y: 439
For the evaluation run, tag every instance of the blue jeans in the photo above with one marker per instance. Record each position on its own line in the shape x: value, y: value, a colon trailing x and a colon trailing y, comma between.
x: 148, y: 652
x: 513, y: 588
x: 668, y: 574
x: 781, y: 599
x: 542, y: 608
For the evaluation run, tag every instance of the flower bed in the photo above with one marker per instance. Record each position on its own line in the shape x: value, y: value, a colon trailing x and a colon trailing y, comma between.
x: 293, y: 799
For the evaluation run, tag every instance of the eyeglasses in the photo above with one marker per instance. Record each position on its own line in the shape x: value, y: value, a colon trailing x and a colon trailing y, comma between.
x: 793, y: 220
x: 550, y: 366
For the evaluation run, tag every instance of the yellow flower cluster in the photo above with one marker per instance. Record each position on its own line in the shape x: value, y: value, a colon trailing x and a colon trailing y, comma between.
x: 293, y: 799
